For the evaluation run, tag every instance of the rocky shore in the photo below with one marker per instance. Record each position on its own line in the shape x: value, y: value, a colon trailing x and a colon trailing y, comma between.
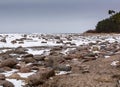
x: 59, y: 60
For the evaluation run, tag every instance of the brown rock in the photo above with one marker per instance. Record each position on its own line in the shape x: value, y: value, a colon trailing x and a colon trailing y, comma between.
x: 9, y: 62
x: 20, y: 50
x: 14, y: 76
x: 25, y: 69
x: 5, y: 83
x: 29, y: 60
x: 40, y: 77
x: 103, y: 78
x: 2, y: 77
x: 28, y: 55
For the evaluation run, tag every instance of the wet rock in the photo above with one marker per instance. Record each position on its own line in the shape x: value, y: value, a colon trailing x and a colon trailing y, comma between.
x: 9, y: 62
x: 2, y: 77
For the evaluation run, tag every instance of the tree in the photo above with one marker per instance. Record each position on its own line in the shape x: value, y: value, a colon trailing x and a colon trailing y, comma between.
x: 109, y: 25
x: 110, y: 12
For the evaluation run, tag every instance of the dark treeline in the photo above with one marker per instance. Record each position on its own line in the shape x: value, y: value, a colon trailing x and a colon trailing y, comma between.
x: 108, y: 25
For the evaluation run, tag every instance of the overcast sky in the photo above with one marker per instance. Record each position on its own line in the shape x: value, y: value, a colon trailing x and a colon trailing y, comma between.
x: 53, y: 16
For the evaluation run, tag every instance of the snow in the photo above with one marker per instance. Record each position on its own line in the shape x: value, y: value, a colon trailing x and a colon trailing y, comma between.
x: 114, y: 63
x: 37, y: 52
x: 16, y: 83
x: 107, y: 56
x: 63, y: 73
x: 8, y: 73
x: 36, y: 39
x: 25, y: 75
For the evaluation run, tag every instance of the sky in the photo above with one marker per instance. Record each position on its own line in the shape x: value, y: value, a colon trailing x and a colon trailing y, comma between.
x: 53, y: 16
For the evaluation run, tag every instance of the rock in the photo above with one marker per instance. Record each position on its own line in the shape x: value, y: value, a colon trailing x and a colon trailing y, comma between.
x: 14, y: 76
x: 39, y: 58
x: 88, y: 59
x: 7, y: 68
x: 25, y: 69
x: 57, y: 48
x: 9, y: 62
x: 6, y: 83
x: 28, y: 55
x: 3, y: 40
x: 20, y: 50
x: 59, y: 41
x: 29, y: 60
x: 2, y: 77
x: 52, y: 61
x: 14, y: 41
x: 84, y: 68
x: 40, y: 77
x: 21, y: 42
x: 57, y: 37
x: 63, y: 67
x: 44, y: 42
x: 103, y: 78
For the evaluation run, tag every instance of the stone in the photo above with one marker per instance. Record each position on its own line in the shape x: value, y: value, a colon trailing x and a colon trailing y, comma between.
x: 25, y: 69
x: 40, y: 77
x: 11, y: 62
x: 14, y: 76
x: 20, y: 50
x: 63, y: 67
x: 6, y: 83
x: 28, y: 55
x: 2, y: 77
x: 28, y: 60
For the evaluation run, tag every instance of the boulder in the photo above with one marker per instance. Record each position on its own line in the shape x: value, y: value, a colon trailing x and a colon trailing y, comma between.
x: 40, y: 77
x: 6, y: 83
x: 28, y: 60
x: 25, y: 69
x: 20, y: 50
x: 2, y: 77
x: 9, y: 62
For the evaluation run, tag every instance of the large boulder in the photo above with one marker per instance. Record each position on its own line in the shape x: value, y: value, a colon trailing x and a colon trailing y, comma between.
x: 40, y: 77
x: 20, y: 50
x: 9, y: 62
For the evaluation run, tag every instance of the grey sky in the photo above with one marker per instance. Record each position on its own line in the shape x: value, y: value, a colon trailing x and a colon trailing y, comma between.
x: 53, y: 16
